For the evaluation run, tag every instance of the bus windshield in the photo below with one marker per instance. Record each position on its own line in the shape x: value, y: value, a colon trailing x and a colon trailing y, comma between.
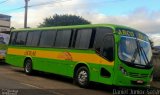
x: 133, y: 53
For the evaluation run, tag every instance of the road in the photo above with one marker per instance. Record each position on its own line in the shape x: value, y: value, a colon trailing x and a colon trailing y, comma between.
x: 14, y: 81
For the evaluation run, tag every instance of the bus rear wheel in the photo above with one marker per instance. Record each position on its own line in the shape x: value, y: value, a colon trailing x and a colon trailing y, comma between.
x: 82, y: 77
x: 28, y: 67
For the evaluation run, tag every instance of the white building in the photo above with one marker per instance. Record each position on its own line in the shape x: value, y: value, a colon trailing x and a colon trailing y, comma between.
x: 5, y: 22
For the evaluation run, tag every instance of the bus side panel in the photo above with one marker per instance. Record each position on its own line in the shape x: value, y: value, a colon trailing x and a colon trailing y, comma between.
x: 12, y: 59
x: 106, y: 79
x: 61, y: 67
x: 94, y: 72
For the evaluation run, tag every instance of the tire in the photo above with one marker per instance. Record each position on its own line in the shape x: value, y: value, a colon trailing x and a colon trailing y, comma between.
x: 82, y: 77
x: 28, y: 67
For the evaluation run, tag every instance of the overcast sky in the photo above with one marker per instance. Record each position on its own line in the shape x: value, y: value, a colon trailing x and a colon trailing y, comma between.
x: 143, y: 15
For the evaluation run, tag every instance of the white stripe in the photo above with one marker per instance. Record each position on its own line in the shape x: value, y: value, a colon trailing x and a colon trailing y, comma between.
x: 31, y: 85
x: 54, y: 92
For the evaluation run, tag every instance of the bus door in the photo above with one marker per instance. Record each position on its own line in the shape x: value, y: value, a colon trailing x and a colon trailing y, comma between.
x: 105, y: 49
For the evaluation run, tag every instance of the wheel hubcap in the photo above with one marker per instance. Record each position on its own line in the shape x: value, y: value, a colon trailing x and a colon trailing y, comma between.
x: 28, y: 67
x: 82, y: 77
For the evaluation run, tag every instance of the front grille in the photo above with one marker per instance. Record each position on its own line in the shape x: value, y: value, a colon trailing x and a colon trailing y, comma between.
x: 137, y: 75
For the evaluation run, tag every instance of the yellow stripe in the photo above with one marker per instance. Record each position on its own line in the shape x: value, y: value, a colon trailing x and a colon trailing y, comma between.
x: 78, y: 57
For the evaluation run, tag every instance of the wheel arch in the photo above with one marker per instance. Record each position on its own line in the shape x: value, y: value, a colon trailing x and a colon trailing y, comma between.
x: 80, y: 64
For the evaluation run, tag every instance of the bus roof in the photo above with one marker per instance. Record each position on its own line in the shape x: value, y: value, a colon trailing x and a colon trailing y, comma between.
x: 73, y: 27
x: 76, y: 27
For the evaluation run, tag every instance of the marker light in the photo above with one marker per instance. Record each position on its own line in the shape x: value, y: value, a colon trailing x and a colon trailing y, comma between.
x: 123, y: 70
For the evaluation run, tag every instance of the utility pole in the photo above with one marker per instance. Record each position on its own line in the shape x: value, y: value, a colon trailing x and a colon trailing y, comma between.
x: 26, y: 13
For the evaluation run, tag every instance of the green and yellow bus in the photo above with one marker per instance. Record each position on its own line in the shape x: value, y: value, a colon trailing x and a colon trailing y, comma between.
x: 103, y: 53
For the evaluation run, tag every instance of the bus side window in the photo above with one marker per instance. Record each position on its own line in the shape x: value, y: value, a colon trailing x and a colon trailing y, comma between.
x: 47, y: 38
x: 63, y: 38
x: 33, y: 38
x: 83, y: 38
x: 104, y: 43
x: 107, y: 47
x: 21, y: 38
x: 13, y: 38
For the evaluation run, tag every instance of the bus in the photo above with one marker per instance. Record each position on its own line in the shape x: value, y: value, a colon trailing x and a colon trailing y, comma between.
x: 4, y: 40
x: 103, y: 53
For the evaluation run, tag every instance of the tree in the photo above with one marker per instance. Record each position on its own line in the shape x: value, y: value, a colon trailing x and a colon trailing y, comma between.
x: 63, y: 20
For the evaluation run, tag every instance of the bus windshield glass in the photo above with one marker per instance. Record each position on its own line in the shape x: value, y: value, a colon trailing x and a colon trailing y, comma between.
x: 135, y: 51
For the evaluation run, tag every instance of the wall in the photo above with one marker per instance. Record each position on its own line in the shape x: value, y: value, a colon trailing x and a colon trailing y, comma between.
x: 4, y: 23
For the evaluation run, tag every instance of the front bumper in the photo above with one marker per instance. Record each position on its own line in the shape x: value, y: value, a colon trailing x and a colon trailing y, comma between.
x: 124, y: 80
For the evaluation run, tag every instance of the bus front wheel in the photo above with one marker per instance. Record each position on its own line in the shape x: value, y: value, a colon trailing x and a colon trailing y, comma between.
x: 82, y: 77
x: 28, y: 66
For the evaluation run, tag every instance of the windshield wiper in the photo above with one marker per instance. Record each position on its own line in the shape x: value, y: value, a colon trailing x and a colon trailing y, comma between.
x: 140, y: 51
x: 136, y: 52
x: 144, y: 55
x: 134, y: 55
x: 146, y: 60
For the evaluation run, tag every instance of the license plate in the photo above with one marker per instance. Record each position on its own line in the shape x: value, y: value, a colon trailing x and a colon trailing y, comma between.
x: 140, y: 81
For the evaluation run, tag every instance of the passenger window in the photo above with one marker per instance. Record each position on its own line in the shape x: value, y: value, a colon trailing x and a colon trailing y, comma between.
x: 47, y: 38
x: 21, y: 38
x: 63, y: 38
x: 13, y: 38
x: 83, y: 38
x: 33, y: 38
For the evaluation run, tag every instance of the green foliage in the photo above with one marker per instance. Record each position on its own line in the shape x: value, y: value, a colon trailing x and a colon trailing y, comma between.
x: 63, y: 20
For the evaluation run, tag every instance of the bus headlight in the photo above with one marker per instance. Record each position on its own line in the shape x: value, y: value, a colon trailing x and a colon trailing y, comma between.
x: 123, y: 70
